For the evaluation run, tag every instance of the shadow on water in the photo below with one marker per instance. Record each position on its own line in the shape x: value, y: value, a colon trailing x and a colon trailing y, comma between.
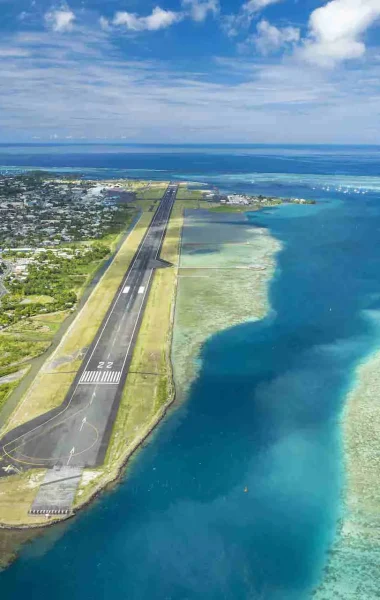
x: 238, y: 495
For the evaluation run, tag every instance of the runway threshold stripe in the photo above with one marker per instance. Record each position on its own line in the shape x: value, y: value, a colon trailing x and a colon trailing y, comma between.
x: 101, y: 377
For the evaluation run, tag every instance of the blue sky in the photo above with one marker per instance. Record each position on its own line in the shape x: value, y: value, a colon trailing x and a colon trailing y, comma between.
x: 189, y: 71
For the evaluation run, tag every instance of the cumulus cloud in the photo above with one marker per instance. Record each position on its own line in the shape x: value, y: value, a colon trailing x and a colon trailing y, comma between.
x: 104, y: 24
x: 270, y: 38
x: 158, y: 19
x: 200, y: 9
x: 61, y: 19
x: 257, y: 5
x: 233, y: 24
x: 336, y: 30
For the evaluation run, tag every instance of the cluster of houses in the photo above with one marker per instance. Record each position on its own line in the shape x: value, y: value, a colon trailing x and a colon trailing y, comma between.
x: 19, y: 265
x: 52, y: 212
x: 244, y: 199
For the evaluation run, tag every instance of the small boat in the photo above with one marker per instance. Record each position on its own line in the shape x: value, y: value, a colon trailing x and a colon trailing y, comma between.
x: 246, y: 489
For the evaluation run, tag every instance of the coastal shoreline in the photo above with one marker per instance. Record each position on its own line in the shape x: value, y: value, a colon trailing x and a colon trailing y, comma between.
x: 208, y: 305
x: 110, y: 476
x: 351, y: 571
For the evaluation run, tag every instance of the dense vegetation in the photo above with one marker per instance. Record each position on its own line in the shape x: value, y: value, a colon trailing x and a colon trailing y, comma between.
x: 5, y: 390
x: 51, y: 284
x: 15, y: 350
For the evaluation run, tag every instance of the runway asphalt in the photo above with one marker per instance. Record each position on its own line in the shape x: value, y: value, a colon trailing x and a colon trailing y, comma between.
x: 78, y: 432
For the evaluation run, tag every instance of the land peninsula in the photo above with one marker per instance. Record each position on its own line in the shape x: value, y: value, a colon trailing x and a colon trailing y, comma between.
x: 44, y: 275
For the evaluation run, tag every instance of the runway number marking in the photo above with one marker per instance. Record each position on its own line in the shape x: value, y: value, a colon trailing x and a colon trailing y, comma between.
x: 72, y: 451
x: 100, y: 377
x: 109, y: 365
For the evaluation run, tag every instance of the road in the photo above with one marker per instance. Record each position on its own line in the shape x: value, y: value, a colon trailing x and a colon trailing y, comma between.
x: 3, y: 289
x: 78, y: 432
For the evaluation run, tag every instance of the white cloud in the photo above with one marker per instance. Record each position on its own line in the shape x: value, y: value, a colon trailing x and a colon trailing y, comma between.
x: 270, y: 38
x: 233, y: 24
x: 199, y: 9
x: 61, y: 19
x: 158, y: 19
x: 253, y: 6
x: 104, y: 24
x: 76, y: 86
x: 336, y: 30
x: 13, y: 52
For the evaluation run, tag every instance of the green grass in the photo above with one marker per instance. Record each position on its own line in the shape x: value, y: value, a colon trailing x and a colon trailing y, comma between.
x: 38, y: 327
x: 185, y: 194
x: 15, y: 349
x: 152, y: 193
x: 5, y: 391
x: 35, y: 299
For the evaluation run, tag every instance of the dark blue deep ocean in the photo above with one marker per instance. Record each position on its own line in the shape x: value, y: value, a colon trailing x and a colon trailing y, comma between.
x: 264, y: 412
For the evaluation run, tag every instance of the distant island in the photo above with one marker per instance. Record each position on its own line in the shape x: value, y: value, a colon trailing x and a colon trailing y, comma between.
x: 246, y: 202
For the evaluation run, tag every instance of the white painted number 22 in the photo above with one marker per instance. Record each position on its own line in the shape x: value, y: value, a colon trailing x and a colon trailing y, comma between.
x: 109, y: 365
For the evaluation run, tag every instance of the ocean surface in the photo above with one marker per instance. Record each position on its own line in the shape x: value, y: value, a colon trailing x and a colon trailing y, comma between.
x: 264, y: 412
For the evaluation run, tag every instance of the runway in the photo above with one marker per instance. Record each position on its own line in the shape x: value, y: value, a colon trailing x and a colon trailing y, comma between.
x: 77, y: 433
